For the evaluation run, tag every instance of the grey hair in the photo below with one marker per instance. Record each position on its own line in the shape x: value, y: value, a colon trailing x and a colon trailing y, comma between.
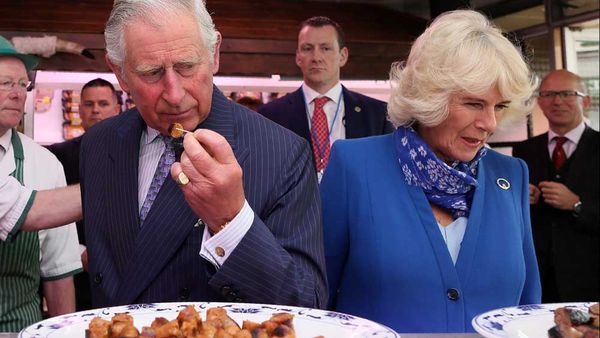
x: 461, y: 51
x: 127, y: 12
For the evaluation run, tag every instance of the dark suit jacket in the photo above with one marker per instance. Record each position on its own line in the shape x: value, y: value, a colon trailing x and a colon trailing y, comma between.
x: 68, y: 154
x: 570, y: 244
x: 280, y: 260
x: 364, y: 116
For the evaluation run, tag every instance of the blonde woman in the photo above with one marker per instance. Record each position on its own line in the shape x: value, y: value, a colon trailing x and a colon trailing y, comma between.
x: 425, y: 228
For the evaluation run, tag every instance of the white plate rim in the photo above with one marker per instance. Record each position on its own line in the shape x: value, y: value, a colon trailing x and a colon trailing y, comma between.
x: 502, y: 316
x: 45, y: 327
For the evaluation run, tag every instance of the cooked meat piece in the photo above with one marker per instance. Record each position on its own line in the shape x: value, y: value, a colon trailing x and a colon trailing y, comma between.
x: 98, y: 328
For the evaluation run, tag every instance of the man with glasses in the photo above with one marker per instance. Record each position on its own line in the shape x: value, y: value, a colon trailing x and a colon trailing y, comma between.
x: 49, y: 255
x: 563, y: 172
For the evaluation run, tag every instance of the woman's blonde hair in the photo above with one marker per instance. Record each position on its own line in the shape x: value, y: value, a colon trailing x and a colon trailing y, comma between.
x: 461, y: 51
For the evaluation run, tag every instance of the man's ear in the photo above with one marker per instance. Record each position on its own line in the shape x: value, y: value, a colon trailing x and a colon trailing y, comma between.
x: 298, y: 57
x: 216, y: 55
x: 118, y: 73
x: 343, y: 56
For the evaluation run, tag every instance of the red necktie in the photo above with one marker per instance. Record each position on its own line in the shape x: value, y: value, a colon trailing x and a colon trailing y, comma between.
x: 558, y: 155
x: 320, y: 134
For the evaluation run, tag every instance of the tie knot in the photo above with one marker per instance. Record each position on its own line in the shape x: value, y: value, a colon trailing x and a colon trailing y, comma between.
x: 560, y: 140
x: 320, y: 102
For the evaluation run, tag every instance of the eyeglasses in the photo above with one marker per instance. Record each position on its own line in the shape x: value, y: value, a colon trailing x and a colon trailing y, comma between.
x: 564, y: 94
x: 8, y: 84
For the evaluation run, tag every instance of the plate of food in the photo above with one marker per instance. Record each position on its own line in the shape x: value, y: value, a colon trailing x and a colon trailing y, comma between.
x: 193, y: 319
x: 540, y: 321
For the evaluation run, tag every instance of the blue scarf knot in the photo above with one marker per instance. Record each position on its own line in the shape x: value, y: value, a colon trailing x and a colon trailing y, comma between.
x: 450, y: 187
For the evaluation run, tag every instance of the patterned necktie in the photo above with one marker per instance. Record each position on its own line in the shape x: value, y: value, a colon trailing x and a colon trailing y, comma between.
x: 558, y: 155
x: 162, y: 170
x: 320, y: 134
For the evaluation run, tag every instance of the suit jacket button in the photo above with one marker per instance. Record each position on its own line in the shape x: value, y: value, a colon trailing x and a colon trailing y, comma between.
x: 231, y: 296
x: 225, y: 290
x: 98, y: 278
x: 453, y: 294
x: 238, y: 300
x: 184, y: 293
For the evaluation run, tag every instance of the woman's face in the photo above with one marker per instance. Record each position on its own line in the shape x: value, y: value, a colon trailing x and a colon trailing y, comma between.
x: 470, y: 122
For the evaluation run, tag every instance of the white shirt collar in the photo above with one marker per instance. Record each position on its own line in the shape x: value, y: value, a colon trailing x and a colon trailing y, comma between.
x: 333, y: 94
x: 150, y: 135
x: 5, y: 142
x: 574, y: 135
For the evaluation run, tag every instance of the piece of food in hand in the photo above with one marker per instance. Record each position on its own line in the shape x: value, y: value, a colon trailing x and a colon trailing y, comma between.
x: 176, y: 130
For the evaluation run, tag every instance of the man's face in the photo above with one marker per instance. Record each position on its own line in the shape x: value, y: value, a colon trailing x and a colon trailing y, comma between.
x: 169, y: 72
x: 12, y: 101
x: 319, y: 57
x: 563, y: 114
x: 97, y: 104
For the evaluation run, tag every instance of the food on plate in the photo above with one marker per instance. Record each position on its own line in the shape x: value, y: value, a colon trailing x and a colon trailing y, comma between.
x: 574, y: 323
x: 189, y: 324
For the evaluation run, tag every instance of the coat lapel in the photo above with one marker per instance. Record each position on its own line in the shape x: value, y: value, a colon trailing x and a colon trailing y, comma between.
x: 470, y: 238
x: 298, y: 120
x: 170, y: 220
x: 121, y: 196
x: 353, y: 111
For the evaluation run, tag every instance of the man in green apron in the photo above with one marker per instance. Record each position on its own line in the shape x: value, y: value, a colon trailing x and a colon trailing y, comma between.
x: 49, y: 256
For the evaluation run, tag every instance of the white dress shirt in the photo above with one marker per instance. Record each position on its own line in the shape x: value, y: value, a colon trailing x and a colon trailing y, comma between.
x: 573, y: 137
x: 336, y: 127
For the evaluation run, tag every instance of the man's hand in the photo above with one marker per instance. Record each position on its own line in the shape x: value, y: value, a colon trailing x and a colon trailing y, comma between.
x: 558, y: 195
x: 534, y: 194
x: 215, y: 191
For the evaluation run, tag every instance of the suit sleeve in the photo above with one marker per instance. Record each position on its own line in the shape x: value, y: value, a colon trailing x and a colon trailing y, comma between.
x: 335, y: 221
x: 280, y: 259
x: 532, y: 290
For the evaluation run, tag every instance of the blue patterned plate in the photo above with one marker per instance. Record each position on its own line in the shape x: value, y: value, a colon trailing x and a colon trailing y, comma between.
x: 525, y: 321
x: 308, y: 323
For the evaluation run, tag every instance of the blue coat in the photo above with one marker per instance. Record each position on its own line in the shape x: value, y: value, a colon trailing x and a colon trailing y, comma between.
x: 280, y: 259
x: 386, y: 258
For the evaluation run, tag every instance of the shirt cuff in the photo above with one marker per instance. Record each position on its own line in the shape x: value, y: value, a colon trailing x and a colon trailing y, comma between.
x: 15, y: 217
x: 217, y: 248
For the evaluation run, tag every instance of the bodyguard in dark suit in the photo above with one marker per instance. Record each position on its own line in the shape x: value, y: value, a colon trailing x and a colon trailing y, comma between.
x: 243, y: 221
x: 564, y: 188
x: 320, y: 55
x: 98, y: 102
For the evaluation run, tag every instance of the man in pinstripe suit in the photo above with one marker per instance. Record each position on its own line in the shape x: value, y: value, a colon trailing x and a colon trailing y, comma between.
x: 246, y: 228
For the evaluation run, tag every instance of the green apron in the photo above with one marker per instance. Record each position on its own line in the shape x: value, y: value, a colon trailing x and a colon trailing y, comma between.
x: 19, y: 268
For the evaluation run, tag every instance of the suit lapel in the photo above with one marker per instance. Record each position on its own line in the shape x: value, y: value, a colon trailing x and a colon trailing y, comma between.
x: 122, y: 197
x: 298, y: 120
x: 170, y: 220
x: 578, y: 158
x: 352, y: 115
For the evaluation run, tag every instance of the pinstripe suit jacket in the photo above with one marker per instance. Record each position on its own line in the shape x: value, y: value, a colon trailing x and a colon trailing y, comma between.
x: 280, y: 260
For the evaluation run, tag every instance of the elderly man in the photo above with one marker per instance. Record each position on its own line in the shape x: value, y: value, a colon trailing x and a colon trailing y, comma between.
x: 563, y: 171
x: 98, y: 102
x: 25, y: 209
x: 53, y: 254
x: 323, y: 110
x: 244, y: 225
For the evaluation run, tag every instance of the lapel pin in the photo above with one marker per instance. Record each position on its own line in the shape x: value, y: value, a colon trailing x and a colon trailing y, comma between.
x: 503, y: 183
x: 357, y: 109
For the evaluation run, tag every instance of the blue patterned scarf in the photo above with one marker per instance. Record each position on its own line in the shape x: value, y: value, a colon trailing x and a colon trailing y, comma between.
x: 450, y: 187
